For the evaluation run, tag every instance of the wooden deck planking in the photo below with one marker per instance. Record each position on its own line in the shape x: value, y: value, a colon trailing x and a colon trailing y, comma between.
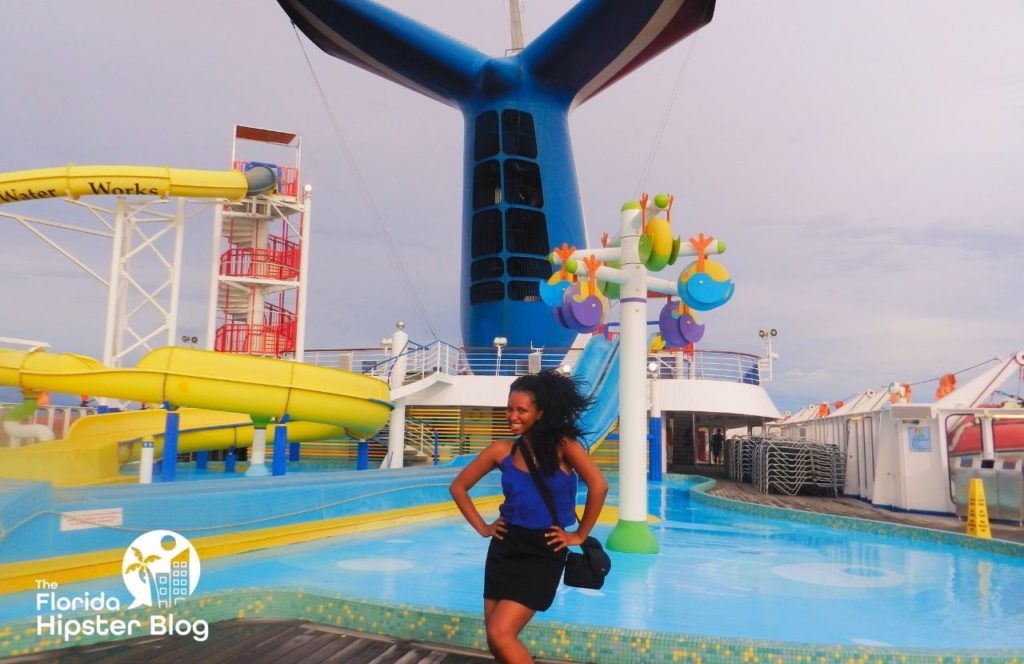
x: 251, y: 641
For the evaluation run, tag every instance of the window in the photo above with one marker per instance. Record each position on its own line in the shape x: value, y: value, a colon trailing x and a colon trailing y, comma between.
x: 522, y: 183
x: 488, y: 291
x: 537, y: 268
x: 526, y: 232
x: 485, y: 142
x: 525, y: 291
x: 486, y: 268
x: 486, y: 185
x: 486, y: 233
x: 517, y: 135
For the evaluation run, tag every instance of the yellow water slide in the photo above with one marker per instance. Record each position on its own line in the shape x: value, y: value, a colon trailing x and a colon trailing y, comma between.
x: 74, y: 181
x: 322, y: 402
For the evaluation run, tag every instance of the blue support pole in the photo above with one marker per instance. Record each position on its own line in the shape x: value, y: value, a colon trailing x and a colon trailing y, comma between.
x: 436, y: 443
x: 279, y: 465
x: 170, y: 455
x: 293, y: 451
x: 654, y: 457
x: 363, y: 457
x: 229, y: 460
x: 202, y: 459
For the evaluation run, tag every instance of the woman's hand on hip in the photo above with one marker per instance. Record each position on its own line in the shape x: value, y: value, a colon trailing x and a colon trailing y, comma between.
x: 559, y: 538
x: 495, y: 530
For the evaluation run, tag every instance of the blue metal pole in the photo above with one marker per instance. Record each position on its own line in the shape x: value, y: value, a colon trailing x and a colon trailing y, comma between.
x: 170, y: 455
x: 280, y: 463
x: 654, y: 457
x: 202, y: 458
x: 435, y: 448
x: 293, y: 451
x: 229, y: 460
x: 363, y: 457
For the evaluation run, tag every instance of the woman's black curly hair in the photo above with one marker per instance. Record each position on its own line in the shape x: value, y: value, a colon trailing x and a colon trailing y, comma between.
x: 562, y: 401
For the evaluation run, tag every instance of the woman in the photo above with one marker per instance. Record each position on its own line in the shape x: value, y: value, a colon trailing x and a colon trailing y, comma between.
x: 527, y: 552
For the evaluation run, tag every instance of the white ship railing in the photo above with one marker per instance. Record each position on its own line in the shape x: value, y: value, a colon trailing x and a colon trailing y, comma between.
x: 421, y: 361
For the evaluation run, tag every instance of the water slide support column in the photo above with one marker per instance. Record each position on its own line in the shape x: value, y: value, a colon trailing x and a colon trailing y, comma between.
x: 656, y: 457
x: 170, y: 455
x: 258, y: 453
x: 396, y: 423
x: 280, y: 463
x: 632, y: 534
x: 363, y: 455
x: 202, y: 459
x: 230, y: 459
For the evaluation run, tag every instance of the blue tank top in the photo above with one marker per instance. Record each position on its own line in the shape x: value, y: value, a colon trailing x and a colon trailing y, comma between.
x: 524, y: 506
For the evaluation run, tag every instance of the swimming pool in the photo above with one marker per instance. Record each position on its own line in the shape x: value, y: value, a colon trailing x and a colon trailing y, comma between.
x: 721, y: 574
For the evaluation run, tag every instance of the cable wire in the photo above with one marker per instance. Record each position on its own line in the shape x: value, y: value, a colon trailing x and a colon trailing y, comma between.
x: 388, y: 243
x: 645, y: 170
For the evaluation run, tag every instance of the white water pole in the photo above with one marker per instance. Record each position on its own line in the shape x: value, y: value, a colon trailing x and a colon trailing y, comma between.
x: 396, y: 423
x: 111, y: 341
x: 178, y: 226
x: 305, y: 217
x: 632, y: 534
x: 212, y: 306
x: 258, y: 453
x: 146, y: 463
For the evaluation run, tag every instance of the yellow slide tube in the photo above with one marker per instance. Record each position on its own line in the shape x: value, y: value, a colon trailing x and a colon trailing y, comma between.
x: 75, y: 181
x: 97, y: 446
x: 217, y: 381
x: 333, y: 399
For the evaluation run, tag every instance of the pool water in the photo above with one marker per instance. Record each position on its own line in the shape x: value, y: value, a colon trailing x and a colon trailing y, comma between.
x: 719, y: 573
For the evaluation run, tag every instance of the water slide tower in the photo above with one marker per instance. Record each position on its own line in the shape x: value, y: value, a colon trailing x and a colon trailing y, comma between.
x: 261, y: 254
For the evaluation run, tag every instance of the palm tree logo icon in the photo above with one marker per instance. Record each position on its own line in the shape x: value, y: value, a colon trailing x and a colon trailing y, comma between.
x: 141, y: 565
x: 160, y: 568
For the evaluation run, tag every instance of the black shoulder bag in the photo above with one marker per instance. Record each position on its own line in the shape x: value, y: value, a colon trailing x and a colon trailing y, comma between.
x: 582, y: 570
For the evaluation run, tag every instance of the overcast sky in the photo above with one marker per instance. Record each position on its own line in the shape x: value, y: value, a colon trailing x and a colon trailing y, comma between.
x: 864, y: 161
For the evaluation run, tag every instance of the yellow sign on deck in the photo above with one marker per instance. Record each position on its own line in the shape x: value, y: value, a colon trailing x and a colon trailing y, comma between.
x: 977, y: 510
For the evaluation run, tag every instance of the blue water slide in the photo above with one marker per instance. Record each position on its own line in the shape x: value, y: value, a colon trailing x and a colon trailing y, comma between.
x: 598, y: 367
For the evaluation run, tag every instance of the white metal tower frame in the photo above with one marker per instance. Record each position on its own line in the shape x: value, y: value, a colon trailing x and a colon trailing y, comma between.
x: 144, y: 274
x: 295, y: 211
x: 297, y: 217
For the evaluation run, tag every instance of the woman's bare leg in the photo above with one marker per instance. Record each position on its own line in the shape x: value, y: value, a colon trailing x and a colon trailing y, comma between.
x: 505, y: 621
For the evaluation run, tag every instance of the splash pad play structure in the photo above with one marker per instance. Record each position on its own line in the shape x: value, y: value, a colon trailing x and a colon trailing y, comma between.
x: 645, y: 244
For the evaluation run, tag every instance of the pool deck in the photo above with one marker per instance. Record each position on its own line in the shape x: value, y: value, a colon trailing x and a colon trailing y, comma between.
x: 278, y: 641
x: 841, y: 506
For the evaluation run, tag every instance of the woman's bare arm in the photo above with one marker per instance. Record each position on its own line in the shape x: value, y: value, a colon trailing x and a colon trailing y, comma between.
x: 489, y: 459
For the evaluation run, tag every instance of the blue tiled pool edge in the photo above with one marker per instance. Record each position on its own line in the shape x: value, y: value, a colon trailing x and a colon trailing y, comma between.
x: 699, y: 493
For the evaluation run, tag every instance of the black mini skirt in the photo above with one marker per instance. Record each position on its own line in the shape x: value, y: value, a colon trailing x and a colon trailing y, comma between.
x: 523, y: 568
